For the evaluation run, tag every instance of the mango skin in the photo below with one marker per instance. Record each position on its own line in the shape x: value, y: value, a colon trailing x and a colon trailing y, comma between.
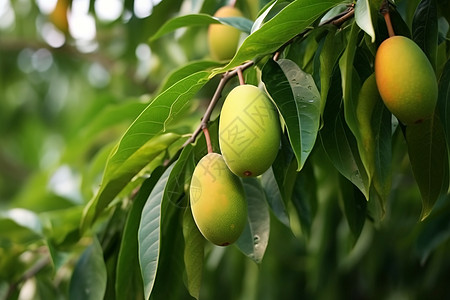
x: 405, y: 80
x: 218, y: 202
x: 223, y: 39
x: 249, y: 131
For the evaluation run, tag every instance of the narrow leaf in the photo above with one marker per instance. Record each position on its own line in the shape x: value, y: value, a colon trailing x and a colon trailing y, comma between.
x: 254, y: 239
x: 242, y: 24
x: 363, y: 17
x: 89, y: 276
x: 150, y: 232
x: 290, y: 21
x: 425, y: 29
x: 128, y: 275
x: 428, y: 155
x: 274, y: 196
x: 443, y: 104
x: 298, y: 101
x: 339, y: 142
x: 193, y: 254
x: 331, y: 51
x: 139, y: 146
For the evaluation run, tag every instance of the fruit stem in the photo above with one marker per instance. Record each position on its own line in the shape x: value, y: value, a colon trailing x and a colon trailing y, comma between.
x: 240, y: 75
x: 225, y: 77
x: 208, y: 139
x: 387, y: 18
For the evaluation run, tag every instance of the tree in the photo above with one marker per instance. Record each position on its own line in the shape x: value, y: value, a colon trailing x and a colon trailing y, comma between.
x: 105, y: 116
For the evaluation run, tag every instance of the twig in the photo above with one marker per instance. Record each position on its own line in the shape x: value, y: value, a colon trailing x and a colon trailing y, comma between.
x: 38, y: 266
x: 208, y: 139
x: 206, y: 117
x: 240, y: 75
x: 387, y: 18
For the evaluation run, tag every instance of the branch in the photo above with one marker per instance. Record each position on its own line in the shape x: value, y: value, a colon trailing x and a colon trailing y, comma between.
x: 387, y: 18
x: 206, y: 117
x: 38, y: 266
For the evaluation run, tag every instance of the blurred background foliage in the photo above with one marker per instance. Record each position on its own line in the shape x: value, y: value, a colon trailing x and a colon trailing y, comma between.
x: 69, y: 88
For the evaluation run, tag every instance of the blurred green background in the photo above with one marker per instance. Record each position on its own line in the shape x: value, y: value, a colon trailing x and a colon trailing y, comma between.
x: 67, y: 96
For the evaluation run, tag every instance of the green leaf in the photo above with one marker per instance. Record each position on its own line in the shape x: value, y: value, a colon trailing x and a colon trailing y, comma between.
x: 331, y: 51
x: 121, y: 176
x: 143, y: 141
x: 349, y: 82
x: 105, y: 119
x: 254, y: 239
x: 289, y: 22
x: 128, y: 275
x: 89, y: 276
x: 339, y: 142
x: 298, y: 101
x: 363, y: 17
x: 304, y: 197
x: 433, y: 231
x: 149, y: 234
x: 20, y: 225
x: 355, y: 206
x: 443, y: 103
x: 186, y: 70
x: 240, y: 23
x: 274, y: 196
x: 193, y: 254
x: 428, y: 155
x: 425, y: 29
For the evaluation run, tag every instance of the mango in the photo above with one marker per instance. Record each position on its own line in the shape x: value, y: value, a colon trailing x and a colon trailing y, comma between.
x: 406, y: 80
x: 223, y: 39
x: 218, y: 202
x: 249, y: 131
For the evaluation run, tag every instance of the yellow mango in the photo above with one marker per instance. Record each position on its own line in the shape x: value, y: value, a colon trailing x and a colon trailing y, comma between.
x: 249, y: 131
x: 218, y: 202
x: 406, y: 80
x: 223, y: 39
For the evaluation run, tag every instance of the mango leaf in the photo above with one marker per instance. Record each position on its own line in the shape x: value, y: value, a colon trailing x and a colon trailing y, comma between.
x: 428, y: 155
x: 149, y: 233
x: 443, y: 104
x: 89, y: 276
x: 433, y: 231
x: 289, y: 22
x: 128, y: 275
x: 339, y: 142
x: 240, y: 23
x: 348, y: 76
x: 304, y: 197
x: 186, y: 70
x: 143, y: 141
x: 254, y: 239
x: 363, y: 17
x: 106, y: 117
x: 274, y: 197
x: 298, y: 101
x: 20, y: 225
x: 193, y: 254
x: 355, y: 206
x: 425, y: 29
x: 331, y: 51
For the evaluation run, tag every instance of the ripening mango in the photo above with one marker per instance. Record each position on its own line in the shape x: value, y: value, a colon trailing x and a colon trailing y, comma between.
x: 218, y: 201
x: 406, y: 80
x: 249, y: 131
x: 59, y: 15
x: 223, y: 39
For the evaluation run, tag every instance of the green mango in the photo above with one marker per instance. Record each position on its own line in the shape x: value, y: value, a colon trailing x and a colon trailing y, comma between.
x: 223, y: 40
x: 218, y: 202
x: 249, y: 131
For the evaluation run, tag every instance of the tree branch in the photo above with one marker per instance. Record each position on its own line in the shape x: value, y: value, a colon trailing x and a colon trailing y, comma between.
x: 217, y: 94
